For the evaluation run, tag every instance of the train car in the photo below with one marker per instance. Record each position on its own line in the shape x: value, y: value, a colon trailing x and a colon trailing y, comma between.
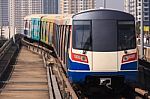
x: 95, y: 47
x: 27, y: 26
x: 54, y: 32
x: 32, y: 26
x: 48, y: 28
x: 103, y: 48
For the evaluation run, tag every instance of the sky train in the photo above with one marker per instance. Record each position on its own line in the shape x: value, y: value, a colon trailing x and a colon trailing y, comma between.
x: 95, y: 46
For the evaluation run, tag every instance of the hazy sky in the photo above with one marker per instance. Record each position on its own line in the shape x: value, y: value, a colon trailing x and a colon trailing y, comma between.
x: 114, y: 4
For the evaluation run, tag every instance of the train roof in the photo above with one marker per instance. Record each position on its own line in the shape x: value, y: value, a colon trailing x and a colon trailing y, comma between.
x: 67, y: 19
x: 61, y: 19
x: 51, y: 17
x: 33, y: 16
x: 103, y: 14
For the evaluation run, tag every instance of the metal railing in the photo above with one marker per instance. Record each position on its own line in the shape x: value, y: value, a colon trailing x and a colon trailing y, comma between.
x: 5, y: 47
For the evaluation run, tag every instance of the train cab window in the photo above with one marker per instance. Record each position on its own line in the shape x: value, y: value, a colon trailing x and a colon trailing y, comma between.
x: 126, y: 35
x: 82, y: 35
x: 104, y: 35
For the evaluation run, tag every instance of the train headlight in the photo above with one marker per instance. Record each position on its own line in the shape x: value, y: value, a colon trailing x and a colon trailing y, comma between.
x: 79, y: 57
x: 129, y: 57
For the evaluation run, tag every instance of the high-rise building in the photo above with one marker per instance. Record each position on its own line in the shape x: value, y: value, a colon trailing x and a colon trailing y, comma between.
x: 18, y: 9
x: 50, y: 6
x: 146, y: 12
x: 4, y: 13
x: 130, y: 6
x: 74, y: 6
x: 134, y: 7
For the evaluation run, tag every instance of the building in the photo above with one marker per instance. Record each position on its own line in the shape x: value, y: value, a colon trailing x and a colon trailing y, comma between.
x: 6, y: 32
x: 134, y: 7
x: 50, y: 6
x: 146, y: 10
x: 4, y: 13
x: 74, y: 6
x: 130, y: 6
x: 18, y: 9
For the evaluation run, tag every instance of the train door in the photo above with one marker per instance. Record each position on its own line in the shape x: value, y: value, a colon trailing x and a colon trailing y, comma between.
x: 32, y: 28
x: 38, y: 30
x: 104, y: 45
x: 35, y: 28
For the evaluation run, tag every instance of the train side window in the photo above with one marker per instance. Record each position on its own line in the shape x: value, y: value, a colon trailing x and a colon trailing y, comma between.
x: 26, y: 24
x: 45, y: 31
x: 82, y: 35
x: 56, y: 37
x: 33, y: 29
x: 42, y: 29
x: 66, y: 42
x: 38, y: 29
x: 49, y: 29
x: 54, y: 34
x: 26, y: 27
x: 60, y: 33
x: 29, y: 27
x: 61, y: 40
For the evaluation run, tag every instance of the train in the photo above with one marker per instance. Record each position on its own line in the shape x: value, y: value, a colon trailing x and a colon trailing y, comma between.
x: 96, y: 46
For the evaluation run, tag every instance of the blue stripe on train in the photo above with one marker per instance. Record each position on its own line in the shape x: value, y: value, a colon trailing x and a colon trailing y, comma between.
x: 129, y: 66
x: 77, y: 66
x: 79, y: 77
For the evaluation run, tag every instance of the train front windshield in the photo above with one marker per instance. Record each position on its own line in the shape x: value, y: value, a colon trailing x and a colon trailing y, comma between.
x: 104, y: 35
x: 126, y: 35
x: 82, y: 32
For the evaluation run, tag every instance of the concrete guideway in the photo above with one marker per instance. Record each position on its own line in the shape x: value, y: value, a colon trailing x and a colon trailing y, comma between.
x: 28, y: 79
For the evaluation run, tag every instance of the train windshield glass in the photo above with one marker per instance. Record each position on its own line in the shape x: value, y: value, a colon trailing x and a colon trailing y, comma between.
x: 104, y: 35
x: 126, y: 35
x: 82, y: 35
